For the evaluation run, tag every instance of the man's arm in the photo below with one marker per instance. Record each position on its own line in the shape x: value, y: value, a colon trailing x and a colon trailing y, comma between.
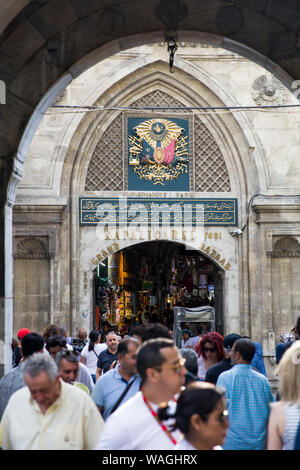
x: 97, y: 394
x: 93, y: 426
x: 223, y: 383
x: 98, y: 373
x: 5, y: 443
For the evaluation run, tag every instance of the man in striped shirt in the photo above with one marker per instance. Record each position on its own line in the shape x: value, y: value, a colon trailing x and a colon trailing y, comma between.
x: 248, y: 394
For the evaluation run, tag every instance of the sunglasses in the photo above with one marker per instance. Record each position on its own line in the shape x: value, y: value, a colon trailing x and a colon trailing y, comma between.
x: 68, y: 353
x: 209, y: 350
x: 176, y: 367
x: 222, y: 417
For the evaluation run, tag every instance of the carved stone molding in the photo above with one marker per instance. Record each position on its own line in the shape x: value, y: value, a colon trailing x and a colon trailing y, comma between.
x: 268, y: 90
x: 34, y: 246
x: 286, y: 247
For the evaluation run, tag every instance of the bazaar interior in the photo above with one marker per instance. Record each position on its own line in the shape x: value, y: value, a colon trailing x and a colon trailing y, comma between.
x: 158, y: 274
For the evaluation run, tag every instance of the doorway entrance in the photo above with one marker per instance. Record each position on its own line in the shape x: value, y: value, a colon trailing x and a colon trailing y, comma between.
x: 154, y: 277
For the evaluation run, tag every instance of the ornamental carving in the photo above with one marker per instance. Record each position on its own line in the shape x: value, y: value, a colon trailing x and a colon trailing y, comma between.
x: 268, y: 91
x: 286, y: 247
x: 31, y: 248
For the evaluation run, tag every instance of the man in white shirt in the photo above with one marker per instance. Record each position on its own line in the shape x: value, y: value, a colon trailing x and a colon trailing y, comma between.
x: 49, y: 414
x: 135, y: 424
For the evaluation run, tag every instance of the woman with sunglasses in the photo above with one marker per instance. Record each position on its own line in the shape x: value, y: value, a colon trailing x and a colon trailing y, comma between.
x: 210, y: 351
x: 201, y: 416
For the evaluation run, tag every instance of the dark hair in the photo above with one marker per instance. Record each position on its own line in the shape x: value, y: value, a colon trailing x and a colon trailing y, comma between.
x: 49, y: 331
x: 55, y: 340
x: 201, y: 400
x: 154, y: 330
x: 138, y: 330
x: 93, y: 336
x: 149, y: 355
x: 246, y: 348
x: 123, y: 345
x: 298, y: 326
x: 31, y: 343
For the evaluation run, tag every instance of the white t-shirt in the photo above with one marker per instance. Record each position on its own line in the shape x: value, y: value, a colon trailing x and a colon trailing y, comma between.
x: 132, y: 427
x: 201, y: 368
x: 90, y: 356
x: 189, y: 342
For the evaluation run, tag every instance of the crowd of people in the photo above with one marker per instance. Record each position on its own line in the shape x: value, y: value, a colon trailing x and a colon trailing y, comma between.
x: 138, y: 391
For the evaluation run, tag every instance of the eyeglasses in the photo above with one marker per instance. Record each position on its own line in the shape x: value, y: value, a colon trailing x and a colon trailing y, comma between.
x: 212, y: 350
x: 228, y: 350
x: 68, y: 353
x: 223, y: 417
x: 176, y: 367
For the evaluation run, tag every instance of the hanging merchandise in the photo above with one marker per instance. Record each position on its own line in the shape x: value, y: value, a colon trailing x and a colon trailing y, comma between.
x: 195, y: 275
x: 188, y: 281
x: 203, y: 281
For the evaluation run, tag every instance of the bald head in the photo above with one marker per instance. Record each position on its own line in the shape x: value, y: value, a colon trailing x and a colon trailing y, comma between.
x: 82, y: 334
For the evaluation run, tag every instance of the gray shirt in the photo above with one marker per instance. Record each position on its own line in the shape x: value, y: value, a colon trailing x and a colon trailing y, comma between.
x: 9, y: 384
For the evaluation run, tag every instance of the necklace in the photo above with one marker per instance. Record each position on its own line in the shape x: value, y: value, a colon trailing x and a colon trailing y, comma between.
x: 162, y: 425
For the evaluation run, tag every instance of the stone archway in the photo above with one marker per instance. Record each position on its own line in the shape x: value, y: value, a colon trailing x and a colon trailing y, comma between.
x: 38, y: 48
x: 93, y: 252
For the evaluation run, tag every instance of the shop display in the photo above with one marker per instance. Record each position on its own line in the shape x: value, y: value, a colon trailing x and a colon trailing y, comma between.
x: 148, y: 275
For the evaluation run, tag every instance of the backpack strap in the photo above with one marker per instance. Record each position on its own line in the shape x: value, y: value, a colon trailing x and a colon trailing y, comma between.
x: 122, y: 396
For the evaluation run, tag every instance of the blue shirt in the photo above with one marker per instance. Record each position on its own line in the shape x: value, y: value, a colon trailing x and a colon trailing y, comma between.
x: 258, y: 359
x: 248, y: 400
x: 105, y: 359
x: 110, y: 386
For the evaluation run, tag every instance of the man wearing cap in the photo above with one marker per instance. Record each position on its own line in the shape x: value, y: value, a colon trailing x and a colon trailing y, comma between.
x: 17, y: 356
x: 213, y: 372
x: 13, y: 380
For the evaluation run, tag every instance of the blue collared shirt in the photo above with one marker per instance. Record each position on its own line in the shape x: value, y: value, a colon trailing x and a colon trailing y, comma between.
x: 110, y: 386
x: 248, y: 400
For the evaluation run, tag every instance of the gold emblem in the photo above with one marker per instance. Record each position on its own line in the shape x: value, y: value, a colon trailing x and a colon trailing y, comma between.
x: 158, y: 150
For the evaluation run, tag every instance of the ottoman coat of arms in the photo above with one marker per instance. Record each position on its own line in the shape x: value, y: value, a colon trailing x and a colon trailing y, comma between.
x: 158, y: 150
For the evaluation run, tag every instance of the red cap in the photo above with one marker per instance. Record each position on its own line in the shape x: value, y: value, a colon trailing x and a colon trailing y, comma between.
x: 23, y: 332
